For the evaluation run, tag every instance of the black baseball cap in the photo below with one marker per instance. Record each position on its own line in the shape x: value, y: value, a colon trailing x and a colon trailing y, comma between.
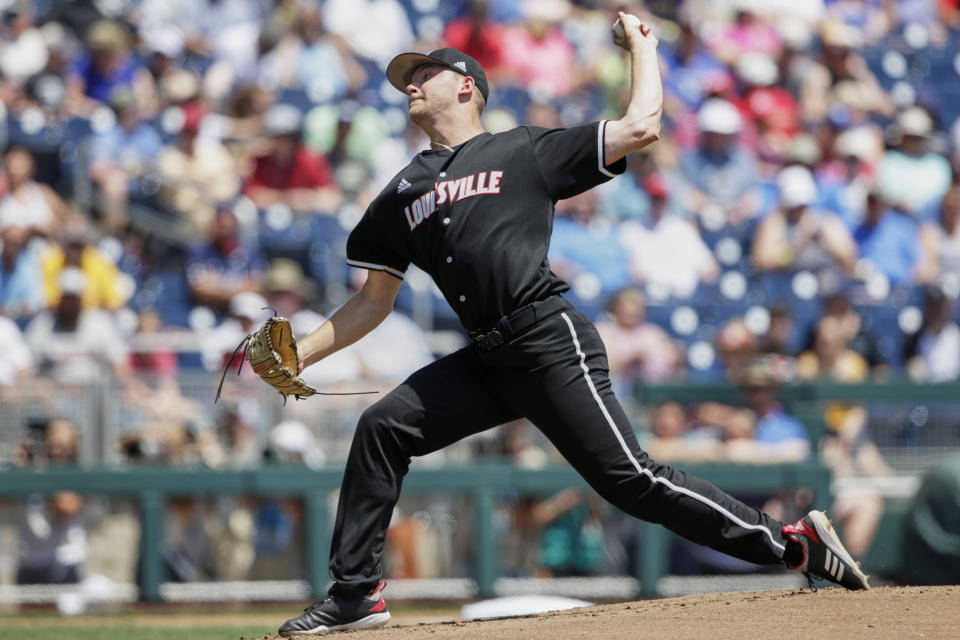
x: 401, y: 68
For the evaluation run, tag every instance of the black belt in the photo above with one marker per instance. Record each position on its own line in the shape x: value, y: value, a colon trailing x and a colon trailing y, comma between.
x: 504, y: 329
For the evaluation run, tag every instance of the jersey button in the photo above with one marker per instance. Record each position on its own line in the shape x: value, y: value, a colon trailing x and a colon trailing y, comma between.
x: 449, y: 259
x: 463, y: 298
x: 446, y: 221
x: 443, y: 174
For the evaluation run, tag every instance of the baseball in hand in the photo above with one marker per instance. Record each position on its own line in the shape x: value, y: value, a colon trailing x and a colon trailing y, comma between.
x: 624, y: 22
x: 618, y: 32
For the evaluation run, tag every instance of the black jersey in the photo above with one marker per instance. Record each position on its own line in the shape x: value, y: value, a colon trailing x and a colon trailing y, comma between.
x: 478, y: 218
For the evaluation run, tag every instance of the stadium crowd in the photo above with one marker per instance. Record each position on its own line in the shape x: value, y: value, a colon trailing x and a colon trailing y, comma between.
x: 174, y: 168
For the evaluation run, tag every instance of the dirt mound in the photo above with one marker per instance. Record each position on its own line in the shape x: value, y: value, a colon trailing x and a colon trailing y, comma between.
x: 892, y: 613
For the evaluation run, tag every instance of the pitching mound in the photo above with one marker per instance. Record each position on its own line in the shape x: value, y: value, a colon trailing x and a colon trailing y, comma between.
x: 892, y: 613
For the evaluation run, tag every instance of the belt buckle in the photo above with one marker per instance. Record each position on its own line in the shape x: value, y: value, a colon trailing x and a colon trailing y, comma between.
x: 491, y: 340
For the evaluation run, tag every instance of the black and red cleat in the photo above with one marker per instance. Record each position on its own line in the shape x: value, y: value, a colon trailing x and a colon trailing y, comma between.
x: 333, y: 613
x: 824, y: 556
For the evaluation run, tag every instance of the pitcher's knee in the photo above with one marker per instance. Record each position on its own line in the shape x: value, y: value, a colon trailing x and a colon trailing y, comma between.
x: 633, y: 496
x: 378, y: 426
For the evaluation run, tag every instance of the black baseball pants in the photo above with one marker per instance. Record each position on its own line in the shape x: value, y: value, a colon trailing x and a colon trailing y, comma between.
x: 556, y: 375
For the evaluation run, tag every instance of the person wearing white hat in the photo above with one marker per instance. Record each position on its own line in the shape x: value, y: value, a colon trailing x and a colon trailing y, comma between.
x: 719, y: 172
x: 913, y: 176
x: 797, y: 237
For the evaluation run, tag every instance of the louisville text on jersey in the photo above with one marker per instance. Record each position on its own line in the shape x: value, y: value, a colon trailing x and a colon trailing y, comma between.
x: 477, y: 184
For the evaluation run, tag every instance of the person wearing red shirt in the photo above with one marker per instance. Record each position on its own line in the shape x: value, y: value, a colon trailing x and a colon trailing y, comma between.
x: 477, y: 35
x: 290, y: 173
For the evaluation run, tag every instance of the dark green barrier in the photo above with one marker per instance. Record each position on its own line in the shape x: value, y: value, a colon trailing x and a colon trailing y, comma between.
x: 152, y: 488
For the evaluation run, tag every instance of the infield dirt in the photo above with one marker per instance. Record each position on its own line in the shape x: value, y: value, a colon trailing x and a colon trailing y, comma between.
x: 886, y: 613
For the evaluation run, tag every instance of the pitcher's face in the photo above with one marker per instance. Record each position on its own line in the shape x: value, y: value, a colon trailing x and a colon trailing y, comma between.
x: 432, y: 88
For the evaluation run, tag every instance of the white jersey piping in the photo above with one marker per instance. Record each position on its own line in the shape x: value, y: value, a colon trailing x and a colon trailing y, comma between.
x: 376, y: 267
x: 600, y: 151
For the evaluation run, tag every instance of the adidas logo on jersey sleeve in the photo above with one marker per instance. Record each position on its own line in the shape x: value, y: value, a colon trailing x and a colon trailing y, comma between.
x: 403, y: 185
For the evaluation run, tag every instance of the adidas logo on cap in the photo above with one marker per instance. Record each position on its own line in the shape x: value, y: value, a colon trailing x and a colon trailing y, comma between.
x: 462, y: 65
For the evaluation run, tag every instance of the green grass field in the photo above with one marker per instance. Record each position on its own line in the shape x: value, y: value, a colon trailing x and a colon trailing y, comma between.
x: 226, y: 622
x: 133, y: 632
x: 229, y: 622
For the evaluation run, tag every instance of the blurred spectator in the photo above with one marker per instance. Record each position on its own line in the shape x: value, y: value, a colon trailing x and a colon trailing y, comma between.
x: 224, y: 32
x: 21, y: 279
x: 573, y: 542
x: 295, y: 60
x: 736, y: 345
x: 861, y: 339
x: 779, y: 338
x: 477, y: 35
x: 772, y: 108
x: 52, y: 539
x: 720, y: 174
x: 287, y: 290
x: 245, y: 112
x: 776, y: 437
x: 759, y: 433
x: 120, y: 156
x: 675, y: 438
x: 225, y: 265
x: 940, y: 242
x: 850, y: 453
x: 162, y: 50
x: 888, y: 242
x: 538, y: 51
x: 48, y: 443
x: 375, y: 29
x: 666, y: 251
x: 289, y: 173
x: 160, y: 440
x: 796, y: 237
x: 197, y: 172
x: 394, y: 350
x: 832, y: 356
x: 23, y: 51
x: 846, y: 448
x: 933, y: 351
x: 72, y: 344
x: 291, y: 442
x: 912, y: 176
x: 236, y: 446
x: 749, y: 33
x: 108, y: 67
x: 872, y: 19
x: 102, y: 287
x: 626, y: 198
x: 577, y: 232
x: 246, y: 312
x: 840, y: 77
x: 16, y: 362
x: 637, y: 350
x: 690, y: 69
x: 845, y: 181
x: 28, y: 203
x: 152, y: 356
